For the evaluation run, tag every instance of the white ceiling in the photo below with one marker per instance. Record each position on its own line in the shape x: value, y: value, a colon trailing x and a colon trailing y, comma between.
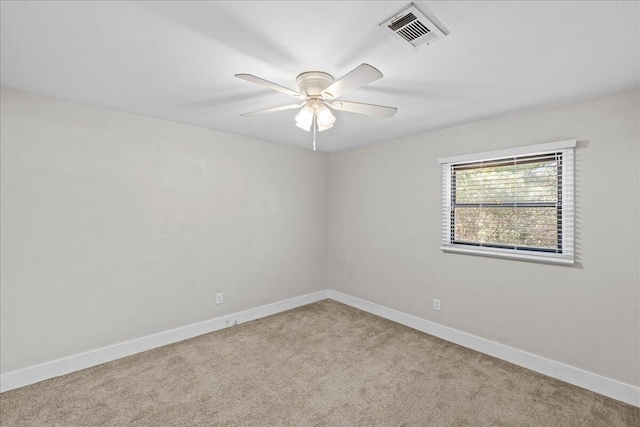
x: 176, y: 61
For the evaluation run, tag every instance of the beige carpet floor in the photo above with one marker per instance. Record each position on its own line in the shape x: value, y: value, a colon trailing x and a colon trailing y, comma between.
x: 324, y: 364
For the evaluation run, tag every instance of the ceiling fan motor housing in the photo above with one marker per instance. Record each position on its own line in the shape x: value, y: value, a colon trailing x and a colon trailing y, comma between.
x: 312, y: 83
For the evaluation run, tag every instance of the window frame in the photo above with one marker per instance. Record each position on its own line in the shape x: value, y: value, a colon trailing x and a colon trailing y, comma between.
x: 564, y: 254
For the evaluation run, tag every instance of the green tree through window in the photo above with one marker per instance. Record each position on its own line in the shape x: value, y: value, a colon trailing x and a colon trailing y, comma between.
x: 509, y: 203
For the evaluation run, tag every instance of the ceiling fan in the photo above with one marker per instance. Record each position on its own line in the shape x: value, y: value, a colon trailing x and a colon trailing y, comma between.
x: 317, y: 91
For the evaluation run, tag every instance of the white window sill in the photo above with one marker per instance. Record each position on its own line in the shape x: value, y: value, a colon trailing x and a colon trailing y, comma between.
x: 507, y: 253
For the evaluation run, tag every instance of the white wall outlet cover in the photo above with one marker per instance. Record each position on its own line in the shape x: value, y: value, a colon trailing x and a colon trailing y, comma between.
x: 436, y: 304
x: 219, y: 298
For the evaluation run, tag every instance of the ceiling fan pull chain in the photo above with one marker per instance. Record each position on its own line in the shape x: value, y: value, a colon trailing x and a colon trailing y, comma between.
x: 314, y: 131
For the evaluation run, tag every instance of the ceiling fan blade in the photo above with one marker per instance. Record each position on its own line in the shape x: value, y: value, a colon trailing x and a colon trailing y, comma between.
x: 266, y: 83
x: 359, y: 76
x: 366, y: 109
x: 273, y: 110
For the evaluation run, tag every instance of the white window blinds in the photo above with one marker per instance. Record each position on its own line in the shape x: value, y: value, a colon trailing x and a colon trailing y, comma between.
x: 516, y: 203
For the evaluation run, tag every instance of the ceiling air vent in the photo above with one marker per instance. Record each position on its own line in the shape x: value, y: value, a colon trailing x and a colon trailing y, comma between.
x: 412, y: 28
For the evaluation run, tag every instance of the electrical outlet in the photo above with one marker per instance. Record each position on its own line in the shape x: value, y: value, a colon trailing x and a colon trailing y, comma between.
x: 219, y: 298
x: 436, y: 304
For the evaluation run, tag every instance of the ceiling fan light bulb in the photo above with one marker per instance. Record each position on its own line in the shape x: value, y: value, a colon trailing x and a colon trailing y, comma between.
x: 323, y: 111
x: 304, y: 122
x: 326, y: 121
x: 325, y: 118
x: 323, y: 128
x: 306, y: 113
x: 304, y: 119
x: 304, y: 127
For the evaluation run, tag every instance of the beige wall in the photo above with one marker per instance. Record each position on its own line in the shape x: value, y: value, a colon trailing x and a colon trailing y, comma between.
x: 384, y: 238
x: 116, y: 226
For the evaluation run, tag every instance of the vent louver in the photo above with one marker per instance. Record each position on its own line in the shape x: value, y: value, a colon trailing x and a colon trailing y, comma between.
x: 412, y: 28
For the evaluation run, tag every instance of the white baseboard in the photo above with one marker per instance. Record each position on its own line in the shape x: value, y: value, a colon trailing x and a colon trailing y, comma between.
x: 37, y: 373
x: 581, y: 378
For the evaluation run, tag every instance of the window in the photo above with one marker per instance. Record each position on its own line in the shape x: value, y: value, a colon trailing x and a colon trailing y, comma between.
x: 516, y: 203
